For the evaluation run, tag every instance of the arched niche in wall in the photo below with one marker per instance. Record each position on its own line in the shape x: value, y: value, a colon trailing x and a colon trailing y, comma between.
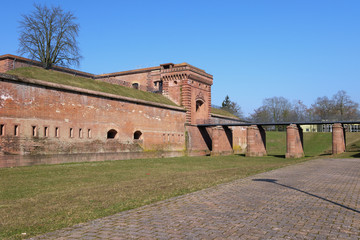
x: 137, y: 135
x: 135, y: 85
x: 199, y: 105
x: 111, y: 134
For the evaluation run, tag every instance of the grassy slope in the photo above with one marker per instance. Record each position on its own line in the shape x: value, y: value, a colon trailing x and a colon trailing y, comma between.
x: 222, y: 112
x: 87, y: 83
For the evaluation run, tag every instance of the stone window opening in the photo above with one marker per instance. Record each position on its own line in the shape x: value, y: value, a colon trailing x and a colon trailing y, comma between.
x: 16, y: 130
x: 80, y: 133
x: 199, y: 104
x: 46, y: 131
x: 89, y: 133
x: 71, y: 132
x: 137, y: 135
x: 2, y: 129
x: 111, y: 134
x: 135, y: 85
x: 57, y: 132
x: 34, y: 131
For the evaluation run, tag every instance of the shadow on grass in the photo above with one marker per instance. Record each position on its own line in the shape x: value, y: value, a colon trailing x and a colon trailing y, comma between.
x: 356, y: 155
x: 277, y: 155
x: 351, y: 154
x: 269, y: 155
x: 274, y: 181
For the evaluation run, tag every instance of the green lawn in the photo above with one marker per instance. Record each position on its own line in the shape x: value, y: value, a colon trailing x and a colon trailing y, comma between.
x: 40, y: 199
x: 314, y: 143
x: 87, y: 83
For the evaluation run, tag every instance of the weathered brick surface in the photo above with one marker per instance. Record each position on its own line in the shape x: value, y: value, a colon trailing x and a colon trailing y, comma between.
x: 90, y: 117
x: 318, y: 199
x: 239, y: 139
x: 222, y: 141
x: 199, y: 140
x: 294, y: 141
x: 338, y: 138
x: 256, y: 141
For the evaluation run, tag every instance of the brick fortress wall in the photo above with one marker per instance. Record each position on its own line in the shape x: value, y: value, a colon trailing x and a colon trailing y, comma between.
x: 40, y: 118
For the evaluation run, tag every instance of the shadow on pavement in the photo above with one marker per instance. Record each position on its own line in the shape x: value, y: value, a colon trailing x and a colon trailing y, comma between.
x: 310, y: 194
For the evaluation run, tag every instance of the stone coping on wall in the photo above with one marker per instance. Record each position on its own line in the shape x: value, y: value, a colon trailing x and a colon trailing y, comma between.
x: 57, y: 86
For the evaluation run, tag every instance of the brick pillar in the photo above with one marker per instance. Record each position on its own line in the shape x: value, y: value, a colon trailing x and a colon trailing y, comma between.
x: 294, y: 141
x: 256, y: 141
x: 338, y: 138
x: 215, y: 149
x: 221, y: 141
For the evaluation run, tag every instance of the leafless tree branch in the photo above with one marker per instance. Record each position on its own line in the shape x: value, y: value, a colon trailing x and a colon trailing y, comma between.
x: 49, y: 35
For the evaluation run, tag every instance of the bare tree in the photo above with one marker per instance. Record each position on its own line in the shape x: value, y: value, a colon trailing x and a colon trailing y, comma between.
x: 323, y: 109
x: 275, y: 109
x: 49, y: 36
x: 339, y: 107
x: 344, y: 107
x: 299, y: 112
x: 279, y: 108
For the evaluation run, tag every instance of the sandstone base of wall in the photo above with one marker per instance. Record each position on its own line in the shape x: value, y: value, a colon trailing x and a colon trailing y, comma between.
x: 29, y: 160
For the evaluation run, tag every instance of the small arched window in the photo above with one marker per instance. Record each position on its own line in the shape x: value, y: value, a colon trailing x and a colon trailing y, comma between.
x: 137, y: 135
x: 111, y: 134
x: 135, y: 85
x: 199, y: 103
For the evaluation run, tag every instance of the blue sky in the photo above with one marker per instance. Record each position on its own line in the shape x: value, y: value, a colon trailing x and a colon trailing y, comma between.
x: 296, y: 49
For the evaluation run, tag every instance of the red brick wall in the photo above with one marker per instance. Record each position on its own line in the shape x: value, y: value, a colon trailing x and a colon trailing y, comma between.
x: 256, y: 141
x: 338, y: 138
x: 128, y: 80
x: 31, y: 105
x: 294, y: 141
x: 222, y: 141
x: 239, y: 139
x: 6, y: 65
x: 199, y: 140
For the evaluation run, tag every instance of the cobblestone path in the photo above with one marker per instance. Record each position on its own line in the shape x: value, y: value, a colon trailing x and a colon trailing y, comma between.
x: 318, y: 199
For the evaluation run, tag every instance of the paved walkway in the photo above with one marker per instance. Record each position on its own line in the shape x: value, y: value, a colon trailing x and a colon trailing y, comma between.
x: 319, y: 199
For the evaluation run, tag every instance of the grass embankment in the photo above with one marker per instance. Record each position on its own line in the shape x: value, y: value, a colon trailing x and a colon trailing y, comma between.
x: 87, y: 83
x: 222, y: 112
x: 352, y: 146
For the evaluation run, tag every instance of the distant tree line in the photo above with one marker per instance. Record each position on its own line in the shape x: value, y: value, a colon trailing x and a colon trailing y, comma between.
x: 279, y: 109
